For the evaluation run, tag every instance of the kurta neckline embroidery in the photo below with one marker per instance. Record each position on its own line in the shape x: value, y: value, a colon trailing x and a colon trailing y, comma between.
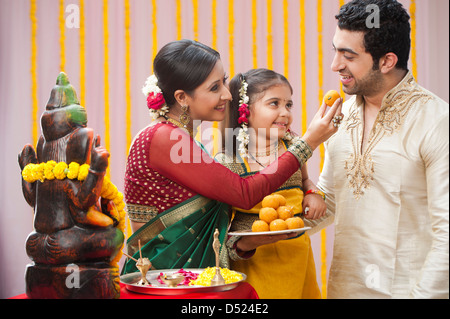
x: 395, y: 107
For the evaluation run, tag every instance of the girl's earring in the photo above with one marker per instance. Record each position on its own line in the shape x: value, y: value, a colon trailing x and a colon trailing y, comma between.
x: 184, y: 117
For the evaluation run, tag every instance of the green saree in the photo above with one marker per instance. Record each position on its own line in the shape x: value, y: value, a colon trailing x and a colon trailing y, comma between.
x: 182, y: 237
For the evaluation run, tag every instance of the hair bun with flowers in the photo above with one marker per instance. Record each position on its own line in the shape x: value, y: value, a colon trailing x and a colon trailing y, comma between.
x: 244, y: 112
x: 155, y: 98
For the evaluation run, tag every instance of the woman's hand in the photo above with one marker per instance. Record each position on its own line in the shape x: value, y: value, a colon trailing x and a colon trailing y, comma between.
x: 322, y: 126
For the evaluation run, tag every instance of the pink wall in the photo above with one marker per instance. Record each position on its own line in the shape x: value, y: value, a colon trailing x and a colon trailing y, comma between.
x: 16, y: 95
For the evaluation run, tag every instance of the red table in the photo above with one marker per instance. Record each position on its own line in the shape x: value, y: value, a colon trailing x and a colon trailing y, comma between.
x: 242, y: 291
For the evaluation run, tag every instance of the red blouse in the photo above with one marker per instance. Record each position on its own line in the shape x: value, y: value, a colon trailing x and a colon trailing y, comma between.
x: 166, y: 167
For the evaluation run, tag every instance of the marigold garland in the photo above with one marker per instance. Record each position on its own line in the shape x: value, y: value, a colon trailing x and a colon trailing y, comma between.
x: 106, y: 78
x: 127, y: 23
x: 412, y: 14
x: 178, y: 19
x: 62, y: 36
x: 269, y: 36
x: 323, y: 232
x: 34, y: 73
x: 154, y: 33
x: 128, y: 114
x: 231, y: 24
x: 341, y: 3
x: 82, y: 56
x: 52, y: 170
x: 215, y: 125
x: 303, y: 65
x: 214, y: 24
x: 286, y: 37
x: 254, y: 37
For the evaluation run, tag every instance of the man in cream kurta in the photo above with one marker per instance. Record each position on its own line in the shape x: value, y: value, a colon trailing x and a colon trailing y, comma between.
x: 390, y: 199
x: 388, y: 185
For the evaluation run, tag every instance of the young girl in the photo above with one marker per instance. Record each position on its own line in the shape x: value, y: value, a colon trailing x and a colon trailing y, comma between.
x: 174, y: 191
x: 278, y: 269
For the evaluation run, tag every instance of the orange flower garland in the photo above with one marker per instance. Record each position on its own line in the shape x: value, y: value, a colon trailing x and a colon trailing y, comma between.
x: 52, y: 170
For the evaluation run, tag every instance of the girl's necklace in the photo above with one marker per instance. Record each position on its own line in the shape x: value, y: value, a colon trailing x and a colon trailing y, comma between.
x: 266, y: 153
x: 257, y: 161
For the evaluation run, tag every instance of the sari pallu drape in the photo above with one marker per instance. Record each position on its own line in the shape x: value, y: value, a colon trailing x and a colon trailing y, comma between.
x: 182, y: 237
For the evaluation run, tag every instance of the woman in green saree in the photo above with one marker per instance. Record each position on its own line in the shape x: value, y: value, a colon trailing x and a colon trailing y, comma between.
x: 176, y: 194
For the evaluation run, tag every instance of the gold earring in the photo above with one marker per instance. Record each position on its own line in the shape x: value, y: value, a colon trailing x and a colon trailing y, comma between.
x: 184, y: 117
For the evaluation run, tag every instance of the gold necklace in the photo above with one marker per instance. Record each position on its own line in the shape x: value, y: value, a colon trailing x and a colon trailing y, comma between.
x: 269, y: 152
x: 258, y: 162
x: 175, y: 122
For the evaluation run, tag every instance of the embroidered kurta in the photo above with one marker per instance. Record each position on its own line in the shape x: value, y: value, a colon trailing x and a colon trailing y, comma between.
x: 390, y: 200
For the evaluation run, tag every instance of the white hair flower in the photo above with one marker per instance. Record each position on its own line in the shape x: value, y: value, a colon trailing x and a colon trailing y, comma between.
x: 155, y: 98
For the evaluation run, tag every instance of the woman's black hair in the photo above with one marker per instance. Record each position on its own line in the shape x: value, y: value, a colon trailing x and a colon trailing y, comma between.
x: 183, y: 65
x: 258, y: 80
x: 392, y: 34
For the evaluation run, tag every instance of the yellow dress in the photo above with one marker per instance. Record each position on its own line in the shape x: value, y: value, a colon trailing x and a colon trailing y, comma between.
x: 285, y: 269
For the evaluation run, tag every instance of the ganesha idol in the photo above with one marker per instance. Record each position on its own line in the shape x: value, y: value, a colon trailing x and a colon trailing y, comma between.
x: 78, y: 235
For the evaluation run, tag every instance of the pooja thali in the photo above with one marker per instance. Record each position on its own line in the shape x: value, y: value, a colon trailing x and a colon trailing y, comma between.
x: 157, y: 287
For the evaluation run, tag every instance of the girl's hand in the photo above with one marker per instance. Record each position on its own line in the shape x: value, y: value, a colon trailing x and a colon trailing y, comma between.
x: 248, y: 243
x: 314, y: 206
